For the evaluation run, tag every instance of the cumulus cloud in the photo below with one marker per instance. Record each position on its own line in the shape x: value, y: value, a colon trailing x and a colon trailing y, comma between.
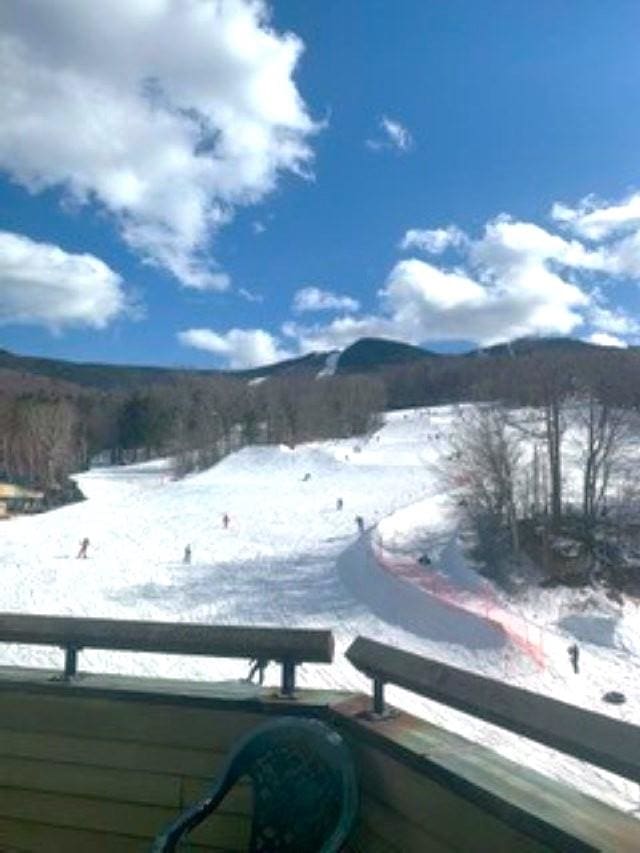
x: 393, y: 135
x: 420, y: 301
x: 337, y: 334
x: 603, y: 339
x: 595, y: 220
x: 167, y: 114
x: 315, y: 299
x: 43, y: 285
x: 433, y: 241
x: 615, y: 227
x: 241, y: 348
x: 615, y: 320
x: 517, y: 279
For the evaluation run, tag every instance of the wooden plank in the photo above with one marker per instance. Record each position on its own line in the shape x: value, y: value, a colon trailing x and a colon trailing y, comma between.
x: 529, y: 802
x: 141, y: 757
x: 363, y: 840
x: 225, y: 641
x: 390, y: 827
x: 444, y: 816
x: 239, y: 800
x: 164, y: 725
x: 245, y: 696
x: 611, y: 744
x: 133, y: 786
x: 84, y: 813
x: 102, y: 816
x: 42, y: 838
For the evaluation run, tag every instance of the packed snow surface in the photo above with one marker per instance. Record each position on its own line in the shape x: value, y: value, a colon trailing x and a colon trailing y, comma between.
x: 290, y: 557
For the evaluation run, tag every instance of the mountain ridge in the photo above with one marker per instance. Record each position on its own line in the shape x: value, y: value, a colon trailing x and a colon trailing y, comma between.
x: 366, y: 355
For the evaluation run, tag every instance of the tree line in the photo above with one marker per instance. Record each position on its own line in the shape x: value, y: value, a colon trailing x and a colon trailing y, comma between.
x: 549, y: 453
x: 46, y: 436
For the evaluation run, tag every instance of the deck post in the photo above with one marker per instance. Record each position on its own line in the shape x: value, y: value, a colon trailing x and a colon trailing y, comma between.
x: 70, y: 661
x: 288, y: 684
x: 378, y: 697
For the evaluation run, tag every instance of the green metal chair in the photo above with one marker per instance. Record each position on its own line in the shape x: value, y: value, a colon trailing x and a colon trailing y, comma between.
x: 304, y: 787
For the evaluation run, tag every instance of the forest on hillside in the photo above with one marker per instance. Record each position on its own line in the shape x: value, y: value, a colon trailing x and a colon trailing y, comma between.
x: 50, y: 429
x: 545, y: 469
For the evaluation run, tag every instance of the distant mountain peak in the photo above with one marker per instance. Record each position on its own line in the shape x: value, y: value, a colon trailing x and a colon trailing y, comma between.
x: 522, y: 346
x: 372, y: 353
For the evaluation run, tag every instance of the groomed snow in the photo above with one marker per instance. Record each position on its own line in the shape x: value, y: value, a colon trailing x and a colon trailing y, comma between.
x: 291, y: 558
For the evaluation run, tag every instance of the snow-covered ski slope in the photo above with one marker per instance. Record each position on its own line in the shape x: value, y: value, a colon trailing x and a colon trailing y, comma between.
x: 290, y: 557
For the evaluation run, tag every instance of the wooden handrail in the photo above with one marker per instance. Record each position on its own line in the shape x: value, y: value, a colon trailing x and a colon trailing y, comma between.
x: 289, y: 646
x: 600, y: 740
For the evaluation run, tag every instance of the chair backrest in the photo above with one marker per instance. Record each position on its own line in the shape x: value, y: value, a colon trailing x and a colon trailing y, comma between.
x: 304, y: 787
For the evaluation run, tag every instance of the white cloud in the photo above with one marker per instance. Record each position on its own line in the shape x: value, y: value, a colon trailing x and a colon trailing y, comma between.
x: 43, y: 285
x: 394, y: 136
x: 517, y: 279
x: 250, y: 295
x: 603, y: 339
x: 338, y: 334
x: 168, y: 114
x: 314, y: 299
x: 597, y: 220
x: 615, y: 226
x: 422, y: 302
x: 510, y: 282
x: 434, y: 241
x: 508, y: 245
x: 241, y: 348
x: 616, y: 321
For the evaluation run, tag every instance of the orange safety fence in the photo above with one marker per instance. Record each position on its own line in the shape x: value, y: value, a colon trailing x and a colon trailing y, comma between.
x: 484, y: 603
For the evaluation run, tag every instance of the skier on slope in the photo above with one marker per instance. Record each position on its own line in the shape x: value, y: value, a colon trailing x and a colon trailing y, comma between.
x: 187, y: 555
x: 574, y: 655
x: 360, y: 523
x: 339, y: 503
x: 225, y: 520
x: 84, y: 547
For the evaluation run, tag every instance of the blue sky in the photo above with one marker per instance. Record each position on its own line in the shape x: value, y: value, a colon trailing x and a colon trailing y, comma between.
x: 226, y: 182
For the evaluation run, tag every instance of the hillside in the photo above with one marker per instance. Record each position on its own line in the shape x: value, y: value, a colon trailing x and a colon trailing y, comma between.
x: 366, y: 356
x: 369, y: 354
x: 530, y: 346
x: 104, y: 377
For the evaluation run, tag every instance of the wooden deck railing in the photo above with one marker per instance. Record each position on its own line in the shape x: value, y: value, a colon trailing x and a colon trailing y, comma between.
x: 287, y: 646
x: 595, y: 738
x: 598, y: 739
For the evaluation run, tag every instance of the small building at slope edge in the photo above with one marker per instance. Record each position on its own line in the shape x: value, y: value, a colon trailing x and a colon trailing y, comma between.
x: 16, y: 499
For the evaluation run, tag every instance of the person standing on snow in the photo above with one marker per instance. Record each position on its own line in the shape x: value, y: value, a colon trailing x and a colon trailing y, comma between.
x: 574, y: 654
x: 360, y: 523
x: 84, y: 547
x: 187, y: 555
x: 225, y: 521
x: 339, y: 503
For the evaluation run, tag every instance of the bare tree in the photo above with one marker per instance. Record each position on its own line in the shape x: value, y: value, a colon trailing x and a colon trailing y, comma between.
x: 604, y: 427
x: 48, y: 431
x: 484, y: 468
